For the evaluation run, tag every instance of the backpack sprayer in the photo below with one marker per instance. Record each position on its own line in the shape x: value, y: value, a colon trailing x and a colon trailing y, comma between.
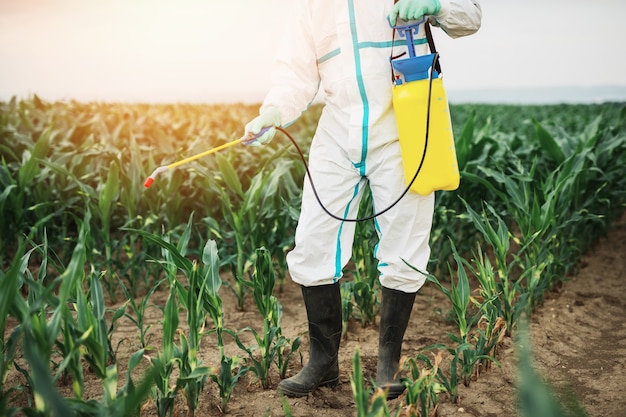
x: 422, y: 112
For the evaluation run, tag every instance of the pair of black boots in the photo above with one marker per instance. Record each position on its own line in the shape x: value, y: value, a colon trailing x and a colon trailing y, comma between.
x: 323, y: 307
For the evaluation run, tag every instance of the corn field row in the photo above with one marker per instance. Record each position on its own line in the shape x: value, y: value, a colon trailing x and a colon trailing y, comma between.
x: 79, y: 234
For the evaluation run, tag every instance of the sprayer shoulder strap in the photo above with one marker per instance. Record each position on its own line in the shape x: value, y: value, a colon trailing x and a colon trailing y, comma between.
x: 431, y: 44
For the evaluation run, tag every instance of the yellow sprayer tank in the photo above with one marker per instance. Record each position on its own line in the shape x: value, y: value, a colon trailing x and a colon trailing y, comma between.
x: 440, y: 170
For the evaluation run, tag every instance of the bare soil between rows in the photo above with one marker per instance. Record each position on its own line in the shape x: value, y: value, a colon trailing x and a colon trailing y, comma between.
x: 578, y: 343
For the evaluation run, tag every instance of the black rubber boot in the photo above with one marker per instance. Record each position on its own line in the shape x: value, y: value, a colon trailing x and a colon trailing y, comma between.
x: 323, y: 309
x: 395, y: 311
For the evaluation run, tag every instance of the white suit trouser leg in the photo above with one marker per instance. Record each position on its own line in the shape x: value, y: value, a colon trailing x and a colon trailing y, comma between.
x: 323, y: 245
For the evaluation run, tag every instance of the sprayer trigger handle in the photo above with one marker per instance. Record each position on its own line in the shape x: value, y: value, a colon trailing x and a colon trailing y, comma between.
x: 250, y: 137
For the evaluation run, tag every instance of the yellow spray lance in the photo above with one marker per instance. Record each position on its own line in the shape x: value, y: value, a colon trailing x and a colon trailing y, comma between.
x: 423, y: 118
x: 246, y: 139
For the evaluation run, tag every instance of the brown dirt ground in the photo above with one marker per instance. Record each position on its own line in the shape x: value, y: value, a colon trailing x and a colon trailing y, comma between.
x: 578, y: 340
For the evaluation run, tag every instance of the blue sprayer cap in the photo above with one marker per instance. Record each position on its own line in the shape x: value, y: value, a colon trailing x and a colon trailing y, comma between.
x: 415, y: 67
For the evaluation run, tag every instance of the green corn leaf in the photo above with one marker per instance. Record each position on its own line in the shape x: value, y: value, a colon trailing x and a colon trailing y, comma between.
x: 465, y: 141
x: 179, y: 260
x: 170, y: 321
x: 9, y: 282
x: 183, y: 242
x: 110, y: 384
x: 210, y: 260
x: 109, y: 193
x: 48, y: 400
x: 229, y: 174
x: 548, y: 143
x: 30, y: 168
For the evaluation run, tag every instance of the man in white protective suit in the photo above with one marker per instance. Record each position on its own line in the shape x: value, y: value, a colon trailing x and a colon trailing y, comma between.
x: 346, y: 46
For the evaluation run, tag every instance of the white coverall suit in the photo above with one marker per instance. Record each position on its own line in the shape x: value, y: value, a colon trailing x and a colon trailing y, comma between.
x: 346, y: 45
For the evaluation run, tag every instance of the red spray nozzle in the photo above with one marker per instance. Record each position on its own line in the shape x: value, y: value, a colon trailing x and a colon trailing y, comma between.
x: 148, y: 182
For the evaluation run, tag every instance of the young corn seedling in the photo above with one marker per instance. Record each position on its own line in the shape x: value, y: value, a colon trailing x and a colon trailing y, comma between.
x: 491, y: 323
x: 127, y: 400
x: 138, y: 311
x: 458, y: 295
x: 71, y: 342
x: 164, y: 391
x: 365, y: 289
x: 193, y: 375
x: 423, y: 389
x: 255, y: 217
x: 164, y: 363
x: 108, y: 196
x: 511, y: 294
x: 367, y: 404
x: 271, y: 343
x: 10, y: 300
x: 90, y: 321
x: 43, y: 323
x: 347, y: 305
x: 466, y: 355
x: 537, y: 224
x: 16, y: 205
x: 448, y: 383
x: 241, y: 217
x: 470, y: 356
x: 229, y: 372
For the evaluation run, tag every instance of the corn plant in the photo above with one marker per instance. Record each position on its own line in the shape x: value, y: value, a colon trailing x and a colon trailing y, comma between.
x: 128, y: 399
x: 512, y: 296
x: 470, y: 350
x: 92, y: 322
x: 108, y: 196
x: 257, y: 216
x: 125, y: 401
x: 271, y: 343
x: 192, y: 375
x: 447, y: 382
x: 133, y: 266
x: 475, y: 147
x: 347, y: 305
x: 366, y: 284
x: 164, y: 362
x: 229, y: 372
x: 488, y: 302
x: 422, y: 387
x: 70, y: 344
x: 138, y: 311
x: 367, y: 404
x: 43, y: 317
x: 10, y: 300
x: 458, y: 295
x: 18, y: 198
x: 164, y: 390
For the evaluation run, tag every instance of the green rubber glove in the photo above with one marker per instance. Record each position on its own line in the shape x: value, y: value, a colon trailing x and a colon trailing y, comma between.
x: 270, y: 118
x: 413, y: 10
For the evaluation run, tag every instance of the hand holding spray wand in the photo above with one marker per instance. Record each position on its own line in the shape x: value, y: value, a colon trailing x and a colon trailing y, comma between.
x: 246, y: 139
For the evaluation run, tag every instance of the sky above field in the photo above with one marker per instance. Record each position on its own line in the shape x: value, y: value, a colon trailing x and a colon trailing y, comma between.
x: 222, y: 50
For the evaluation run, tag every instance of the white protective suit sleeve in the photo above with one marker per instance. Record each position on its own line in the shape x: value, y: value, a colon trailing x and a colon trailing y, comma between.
x: 458, y: 17
x: 295, y: 78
